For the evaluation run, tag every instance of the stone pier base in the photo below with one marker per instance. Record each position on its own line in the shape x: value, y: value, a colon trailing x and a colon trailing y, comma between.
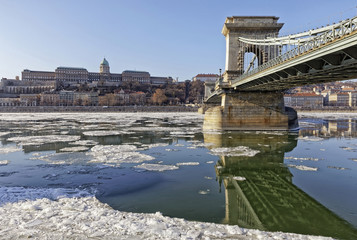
x: 251, y: 111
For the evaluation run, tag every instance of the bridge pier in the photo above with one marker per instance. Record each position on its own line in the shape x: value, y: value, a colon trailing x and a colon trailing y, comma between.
x: 251, y: 111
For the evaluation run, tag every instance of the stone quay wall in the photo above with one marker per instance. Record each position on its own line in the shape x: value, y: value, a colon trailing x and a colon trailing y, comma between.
x: 99, y: 109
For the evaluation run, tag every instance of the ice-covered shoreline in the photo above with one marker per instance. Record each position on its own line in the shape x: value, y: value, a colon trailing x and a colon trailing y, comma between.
x: 76, y: 214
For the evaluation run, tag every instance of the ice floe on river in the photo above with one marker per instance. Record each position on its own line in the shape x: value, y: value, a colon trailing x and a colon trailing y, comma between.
x: 117, y: 154
x: 84, y: 142
x: 304, y: 159
x: 9, y: 149
x: 302, y: 167
x: 156, y: 167
x: 310, y: 138
x: 234, y: 151
x: 105, y: 133
x: 154, y: 145
x: 338, y: 168
x: 38, y: 140
x: 4, y: 133
x: 74, y: 149
x: 4, y: 162
x: 239, y: 178
x: 187, y: 163
x: 63, y: 158
x: 75, y: 214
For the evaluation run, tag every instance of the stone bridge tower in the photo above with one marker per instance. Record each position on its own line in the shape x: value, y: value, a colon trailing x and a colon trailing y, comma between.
x: 243, y: 110
x: 253, y: 27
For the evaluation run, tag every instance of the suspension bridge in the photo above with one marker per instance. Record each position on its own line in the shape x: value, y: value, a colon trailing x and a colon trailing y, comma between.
x: 249, y: 95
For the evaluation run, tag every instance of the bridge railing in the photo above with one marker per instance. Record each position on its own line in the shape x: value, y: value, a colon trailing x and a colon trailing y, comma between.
x: 344, y: 28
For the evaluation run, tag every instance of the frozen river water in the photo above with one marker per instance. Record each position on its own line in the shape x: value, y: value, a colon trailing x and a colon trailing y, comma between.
x: 303, y: 182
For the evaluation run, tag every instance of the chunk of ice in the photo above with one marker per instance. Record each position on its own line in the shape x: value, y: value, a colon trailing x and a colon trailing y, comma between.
x: 303, y: 168
x: 105, y: 133
x: 239, y: 178
x: 74, y: 149
x: 4, y: 162
x: 10, y: 149
x: 38, y: 140
x: 234, y: 151
x: 187, y: 163
x: 84, y: 142
x: 117, y: 154
x: 156, y: 167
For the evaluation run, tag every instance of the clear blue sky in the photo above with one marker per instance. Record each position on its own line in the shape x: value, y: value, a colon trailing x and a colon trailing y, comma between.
x: 178, y: 38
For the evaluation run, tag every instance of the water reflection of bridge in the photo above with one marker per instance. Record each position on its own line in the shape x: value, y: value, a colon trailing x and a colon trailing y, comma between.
x: 267, y: 199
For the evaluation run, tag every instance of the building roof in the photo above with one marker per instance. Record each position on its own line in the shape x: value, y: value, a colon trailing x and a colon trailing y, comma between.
x: 70, y: 68
x: 104, y: 62
x: 207, y: 75
x: 131, y: 71
x: 348, y: 89
x: 305, y: 95
x: 27, y: 70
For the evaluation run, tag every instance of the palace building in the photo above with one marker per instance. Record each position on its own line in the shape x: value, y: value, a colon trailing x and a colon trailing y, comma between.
x: 71, y: 75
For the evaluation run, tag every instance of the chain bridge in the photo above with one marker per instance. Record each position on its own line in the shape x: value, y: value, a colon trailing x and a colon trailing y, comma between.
x: 260, y: 66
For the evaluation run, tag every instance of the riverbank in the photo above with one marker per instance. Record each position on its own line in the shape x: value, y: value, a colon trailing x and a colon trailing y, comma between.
x: 146, y: 109
x: 99, y: 109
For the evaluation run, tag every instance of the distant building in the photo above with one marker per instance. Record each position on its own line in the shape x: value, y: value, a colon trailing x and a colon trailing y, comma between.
x: 309, y: 100
x: 29, y: 99
x: 72, y: 98
x: 205, y: 77
x: 339, y: 99
x: 69, y: 74
x: 161, y: 80
x: 353, y: 99
x: 287, y: 100
x: 50, y: 99
x: 6, y: 102
x: 28, y: 75
x: 141, y: 77
x: 16, y: 87
x: 73, y: 76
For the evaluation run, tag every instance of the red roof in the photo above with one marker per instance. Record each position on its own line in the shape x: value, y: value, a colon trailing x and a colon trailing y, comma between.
x: 348, y: 89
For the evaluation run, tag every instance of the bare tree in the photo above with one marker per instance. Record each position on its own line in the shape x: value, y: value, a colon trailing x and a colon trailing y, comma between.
x: 159, y: 97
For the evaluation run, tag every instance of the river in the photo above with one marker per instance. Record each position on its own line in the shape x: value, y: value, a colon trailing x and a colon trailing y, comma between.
x: 302, y: 182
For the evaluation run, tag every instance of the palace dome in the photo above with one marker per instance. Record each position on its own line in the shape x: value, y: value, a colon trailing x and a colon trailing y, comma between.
x: 104, y: 62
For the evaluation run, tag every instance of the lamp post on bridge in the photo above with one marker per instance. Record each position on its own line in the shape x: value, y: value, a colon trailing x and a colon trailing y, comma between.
x: 220, y: 76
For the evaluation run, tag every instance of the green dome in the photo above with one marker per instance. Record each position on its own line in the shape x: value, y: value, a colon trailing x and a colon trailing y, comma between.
x: 104, y: 62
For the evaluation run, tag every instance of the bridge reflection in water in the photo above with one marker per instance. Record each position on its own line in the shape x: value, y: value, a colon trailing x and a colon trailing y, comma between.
x: 267, y: 199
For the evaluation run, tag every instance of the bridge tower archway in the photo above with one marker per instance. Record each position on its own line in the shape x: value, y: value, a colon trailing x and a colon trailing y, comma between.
x: 252, y: 56
x: 253, y: 27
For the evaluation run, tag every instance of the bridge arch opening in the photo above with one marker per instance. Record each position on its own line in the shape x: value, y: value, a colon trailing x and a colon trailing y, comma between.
x: 253, y: 57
